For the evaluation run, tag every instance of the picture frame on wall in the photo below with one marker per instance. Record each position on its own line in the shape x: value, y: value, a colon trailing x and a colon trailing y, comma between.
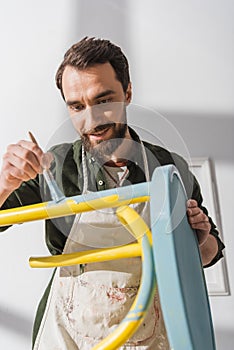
x: 216, y: 276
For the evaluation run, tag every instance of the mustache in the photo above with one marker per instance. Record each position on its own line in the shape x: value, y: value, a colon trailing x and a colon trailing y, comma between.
x: 98, y: 128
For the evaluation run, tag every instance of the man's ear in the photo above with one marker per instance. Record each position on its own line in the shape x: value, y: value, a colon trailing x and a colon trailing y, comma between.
x: 128, y: 94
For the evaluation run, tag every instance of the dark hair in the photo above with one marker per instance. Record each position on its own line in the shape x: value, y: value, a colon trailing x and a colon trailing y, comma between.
x: 91, y: 51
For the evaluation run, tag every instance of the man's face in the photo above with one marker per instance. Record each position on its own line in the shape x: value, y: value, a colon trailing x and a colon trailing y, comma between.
x: 97, y: 105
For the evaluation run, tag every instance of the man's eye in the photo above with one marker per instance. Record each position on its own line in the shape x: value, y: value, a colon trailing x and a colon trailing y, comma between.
x: 106, y: 100
x: 77, y: 108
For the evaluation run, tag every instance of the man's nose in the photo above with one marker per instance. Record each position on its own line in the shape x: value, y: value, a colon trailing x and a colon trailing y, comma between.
x: 93, y: 117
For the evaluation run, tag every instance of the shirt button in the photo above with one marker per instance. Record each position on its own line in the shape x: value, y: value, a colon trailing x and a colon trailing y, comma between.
x: 100, y: 182
x: 91, y: 160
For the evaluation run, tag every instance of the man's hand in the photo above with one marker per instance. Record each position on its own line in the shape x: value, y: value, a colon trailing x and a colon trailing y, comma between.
x: 21, y: 162
x: 198, y: 220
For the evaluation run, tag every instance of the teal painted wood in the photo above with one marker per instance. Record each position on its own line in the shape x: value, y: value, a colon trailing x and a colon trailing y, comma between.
x: 179, y: 273
x: 124, y: 193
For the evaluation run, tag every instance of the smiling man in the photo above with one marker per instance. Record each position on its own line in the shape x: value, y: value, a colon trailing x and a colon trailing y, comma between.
x: 97, y: 105
x: 83, y: 304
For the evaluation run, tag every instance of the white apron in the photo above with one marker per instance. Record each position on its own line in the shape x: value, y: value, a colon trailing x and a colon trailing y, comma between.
x: 86, y: 303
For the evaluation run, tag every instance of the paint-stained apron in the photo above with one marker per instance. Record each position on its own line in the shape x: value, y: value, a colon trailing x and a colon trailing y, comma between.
x: 86, y: 303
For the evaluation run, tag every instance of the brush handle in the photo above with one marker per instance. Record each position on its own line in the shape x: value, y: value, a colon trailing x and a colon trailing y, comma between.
x: 55, y: 192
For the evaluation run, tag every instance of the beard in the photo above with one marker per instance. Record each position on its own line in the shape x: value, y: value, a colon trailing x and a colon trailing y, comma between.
x: 103, y: 149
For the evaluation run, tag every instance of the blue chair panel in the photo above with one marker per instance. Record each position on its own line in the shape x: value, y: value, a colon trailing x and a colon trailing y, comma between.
x: 179, y: 272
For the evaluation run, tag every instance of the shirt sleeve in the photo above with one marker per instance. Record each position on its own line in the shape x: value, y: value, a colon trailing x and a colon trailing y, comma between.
x: 28, y: 193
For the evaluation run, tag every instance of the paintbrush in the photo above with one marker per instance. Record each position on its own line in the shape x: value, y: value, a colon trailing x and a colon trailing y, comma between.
x: 55, y: 192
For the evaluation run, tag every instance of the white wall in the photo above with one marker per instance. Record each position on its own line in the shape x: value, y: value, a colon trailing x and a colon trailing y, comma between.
x: 181, y: 56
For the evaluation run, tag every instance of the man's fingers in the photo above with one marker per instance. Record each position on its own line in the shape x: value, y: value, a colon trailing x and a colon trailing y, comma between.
x: 22, y: 166
x: 30, y: 155
x: 198, y: 220
x: 32, y: 147
x: 21, y: 162
x: 192, y: 203
x: 46, y: 160
x: 12, y: 178
x: 193, y: 211
x: 197, y: 216
x: 18, y: 174
x: 203, y: 226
